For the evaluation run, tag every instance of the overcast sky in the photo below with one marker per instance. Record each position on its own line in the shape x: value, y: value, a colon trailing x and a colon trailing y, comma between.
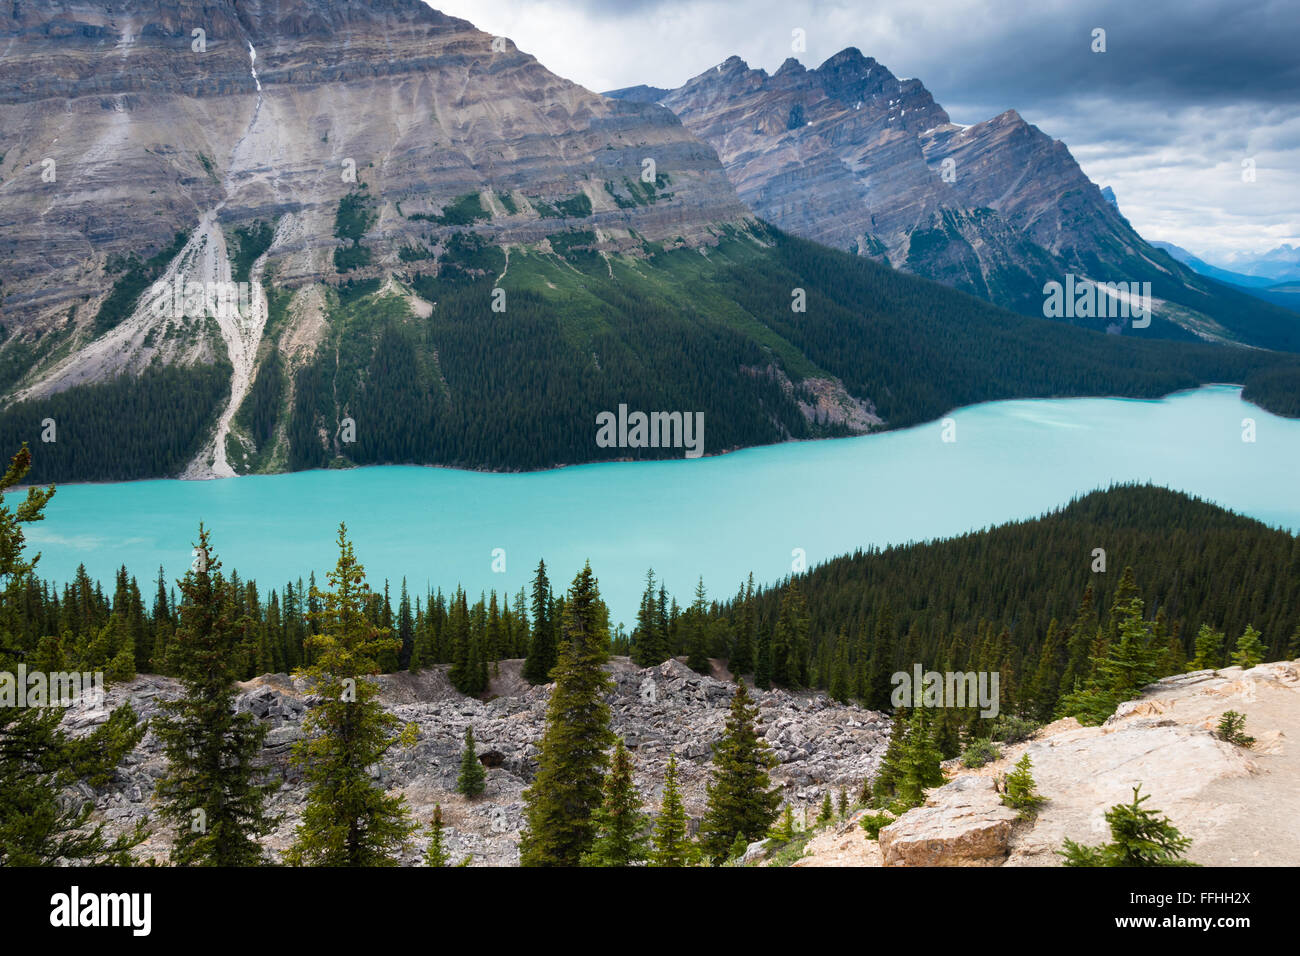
x: 1185, y: 92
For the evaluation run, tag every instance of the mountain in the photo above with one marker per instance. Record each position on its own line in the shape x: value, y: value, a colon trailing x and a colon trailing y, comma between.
x: 1201, y: 267
x: 851, y: 156
x: 638, y: 94
x: 317, y: 233
x: 1285, y: 293
x: 1277, y: 265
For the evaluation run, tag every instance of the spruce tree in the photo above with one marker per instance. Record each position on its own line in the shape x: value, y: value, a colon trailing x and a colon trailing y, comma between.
x: 696, y: 637
x: 1139, y: 837
x: 473, y: 775
x: 436, y: 854
x: 1021, y: 793
x: 210, y: 791
x: 920, y: 767
x: 620, y: 824
x: 741, y: 660
x: 1209, y: 650
x: 671, y: 845
x: 741, y: 798
x: 1250, y: 650
x: 348, y: 819
x: 559, y: 805
x: 827, y: 811
x: 542, y: 653
x: 784, y: 830
x: 649, y: 641
x: 39, y: 762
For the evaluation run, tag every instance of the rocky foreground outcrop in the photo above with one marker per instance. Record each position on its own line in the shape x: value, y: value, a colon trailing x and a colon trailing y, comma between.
x: 658, y: 711
x: 1239, y: 806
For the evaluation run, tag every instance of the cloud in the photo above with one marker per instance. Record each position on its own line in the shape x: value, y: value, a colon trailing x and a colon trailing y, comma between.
x: 1183, y: 93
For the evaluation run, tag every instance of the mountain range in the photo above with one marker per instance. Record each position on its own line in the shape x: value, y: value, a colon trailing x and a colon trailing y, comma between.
x: 438, y: 251
x: 851, y: 156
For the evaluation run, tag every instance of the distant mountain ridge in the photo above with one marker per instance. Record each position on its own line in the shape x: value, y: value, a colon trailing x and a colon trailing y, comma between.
x: 849, y: 155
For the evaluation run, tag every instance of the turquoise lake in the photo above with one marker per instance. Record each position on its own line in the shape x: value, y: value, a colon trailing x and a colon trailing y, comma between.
x: 719, y: 517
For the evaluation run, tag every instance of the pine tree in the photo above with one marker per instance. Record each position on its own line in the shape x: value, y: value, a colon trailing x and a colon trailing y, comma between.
x: 1250, y: 650
x: 209, y: 791
x: 620, y: 824
x: 559, y: 806
x: 348, y: 820
x: 649, y: 639
x: 542, y: 653
x: 741, y: 798
x: 1130, y: 662
x: 436, y: 854
x: 827, y: 812
x: 1139, y: 837
x: 1209, y: 650
x: 39, y: 762
x: 671, y: 845
x: 784, y: 831
x: 697, y: 632
x: 741, y: 660
x: 843, y: 804
x: 473, y: 775
x: 1021, y: 794
x: 920, y: 768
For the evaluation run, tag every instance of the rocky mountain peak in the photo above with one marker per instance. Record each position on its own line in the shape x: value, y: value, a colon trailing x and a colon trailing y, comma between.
x: 791, y: 67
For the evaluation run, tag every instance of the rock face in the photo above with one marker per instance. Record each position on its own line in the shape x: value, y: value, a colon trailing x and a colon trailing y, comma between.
x: 851, y: 156
x: 660, y: 711
x: 127, y: 124
x: 963, y: 823
x: 1239, y: 806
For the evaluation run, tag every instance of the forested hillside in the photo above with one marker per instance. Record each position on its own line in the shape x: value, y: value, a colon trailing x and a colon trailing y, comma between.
x: 581, y: 333
x: 1024, y: 599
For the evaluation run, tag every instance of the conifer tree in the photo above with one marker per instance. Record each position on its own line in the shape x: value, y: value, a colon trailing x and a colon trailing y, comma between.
x: 436, y: 854
x: 1139, y: 837
x: 1250, y: 650
x: 620, y: 824
x: 649, y: 638
x: 559, y: 805
x: 784, y: 831
x: 210, y: 791
x: 39, y: 762
x: 542, y: 652
x: 697, y: 632
x: 741, y: 798
x: 1130, y: 662
x: 741, y: 660
x: 671, y: 845
x: 1021, y: 793
x: 473, y: 775
x: 348, y: 820
x: 827, y: 811
x: 405, y: 628
x: 920, y: 769
x: 1209, y: 650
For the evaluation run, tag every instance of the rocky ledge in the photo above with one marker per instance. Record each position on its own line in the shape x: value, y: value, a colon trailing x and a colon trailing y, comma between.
x: 663, y: 710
